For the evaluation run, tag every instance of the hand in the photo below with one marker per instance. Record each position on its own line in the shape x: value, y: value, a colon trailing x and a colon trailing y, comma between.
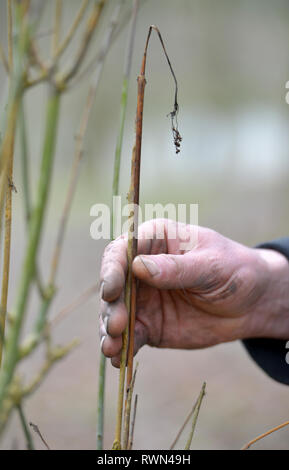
x: 216, y: 292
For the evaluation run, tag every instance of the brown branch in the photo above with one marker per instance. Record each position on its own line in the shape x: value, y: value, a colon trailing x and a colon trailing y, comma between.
x: 7, y: 247
x: 127, y: 410
x: 265, y: 434
x: 134, y: 191
x: 133, y: 200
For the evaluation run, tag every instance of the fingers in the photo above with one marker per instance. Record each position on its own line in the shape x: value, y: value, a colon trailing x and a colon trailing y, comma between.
x: 111, y: 346
x: 114, y: 261
x: 170, y: 271
x: 114, y: 317
x: 113, y: 270
x: 140, y: 339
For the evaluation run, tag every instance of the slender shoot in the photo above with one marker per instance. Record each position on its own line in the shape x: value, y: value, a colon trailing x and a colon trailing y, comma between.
x: 133, y: 200
x: 26, y: 430
x: 195, y: 416
x: 265, y: 434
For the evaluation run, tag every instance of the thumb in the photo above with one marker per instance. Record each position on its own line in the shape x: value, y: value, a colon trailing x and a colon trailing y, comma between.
x: 169, y: 271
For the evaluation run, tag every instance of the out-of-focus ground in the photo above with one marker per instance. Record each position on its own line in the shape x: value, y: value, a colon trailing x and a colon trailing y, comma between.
x: 232, y: 63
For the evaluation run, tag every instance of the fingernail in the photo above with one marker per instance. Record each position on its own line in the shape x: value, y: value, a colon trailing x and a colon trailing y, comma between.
x: 105, y: 322
x: 101, y: 342
x: 150, y: 266
x: 102, y: 331
x: 101, y: 290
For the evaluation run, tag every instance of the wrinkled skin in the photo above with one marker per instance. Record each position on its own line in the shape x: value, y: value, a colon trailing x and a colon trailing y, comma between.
x: 218, y: 291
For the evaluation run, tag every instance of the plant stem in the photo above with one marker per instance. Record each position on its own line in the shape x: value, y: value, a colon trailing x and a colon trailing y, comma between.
x: 7, y: 247
x: 35, y: 230
x: 183, y: 426
x: 57, y: 26
x: 133, y: 200
x: 265, y: 434
x: 133, y: 424
x: 115, y: 191
x: 123, y: 107
x: 24, y: 162
x: 73, y: 29
x: 33, y: 339
x: 37, y: 431
x: 90, y: 27
x: 127, y: 411
x: 195, y: 416
x: 4, y: 59
x: 16, y: 88
x: 26, y: 430
x: 100, y: 402
x: 10, y: 34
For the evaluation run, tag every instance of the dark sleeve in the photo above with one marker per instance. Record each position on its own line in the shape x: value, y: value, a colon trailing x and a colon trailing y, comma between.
x: 270, y: 354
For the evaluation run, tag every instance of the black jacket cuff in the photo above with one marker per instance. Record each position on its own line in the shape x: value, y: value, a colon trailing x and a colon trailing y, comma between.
x: 270, y: 354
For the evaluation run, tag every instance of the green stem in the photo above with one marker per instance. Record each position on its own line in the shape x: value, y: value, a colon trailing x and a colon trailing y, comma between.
x: 123, y: 106
x: 115, y: 192
x: 36, y: 336
x: 27, y: 433
x: 100, y: 404
x: 24, y: 162
x: 35, y: 230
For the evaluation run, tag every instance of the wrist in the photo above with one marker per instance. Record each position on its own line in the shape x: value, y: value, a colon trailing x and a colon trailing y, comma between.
x: 270, y: 316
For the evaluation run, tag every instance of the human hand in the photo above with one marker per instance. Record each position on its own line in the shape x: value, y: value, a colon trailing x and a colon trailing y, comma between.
x: 218, y: 291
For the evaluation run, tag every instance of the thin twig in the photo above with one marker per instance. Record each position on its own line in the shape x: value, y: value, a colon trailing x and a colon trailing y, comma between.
x: 133, y: 200
x: 133, y: 424
x: 37, y: 431
x: 79, y: 143
x: 90, y: 66
x: 100, y: 402
x: 7, y: 149
x: 265, y: 434
x: 28, y: 268
x: 61, y: 48
x: 57, y: 26
x: 124, y: 96
x: 26, y: 430
x: 115, y: 190
x: 17, y: 392
x: 80, y: 300
x: 37, y: 58
x: 195, y: 416
x: 24, y: 162
x: 4, y: 59
x: 10, y: 34
x: 36, y: 336
x: 183, y: 426
x: 7, y: 245
x: 54, y: 355
x: 129, y: 394
x: 89, y: 30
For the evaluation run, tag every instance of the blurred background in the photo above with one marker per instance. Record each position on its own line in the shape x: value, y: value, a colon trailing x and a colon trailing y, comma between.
x: 232, y: 64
